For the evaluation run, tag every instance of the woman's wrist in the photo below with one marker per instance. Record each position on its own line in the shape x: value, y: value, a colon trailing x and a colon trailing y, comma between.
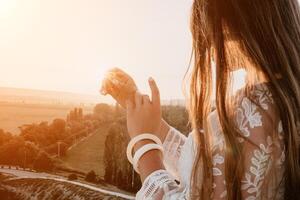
x: 141, y: 143
x: 150, y: 162
x: 162, y: 133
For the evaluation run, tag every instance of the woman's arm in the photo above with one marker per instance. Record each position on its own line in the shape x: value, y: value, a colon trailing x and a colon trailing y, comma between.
x: 158, y: 183
x: 145, y: 117
x: 122, y: 88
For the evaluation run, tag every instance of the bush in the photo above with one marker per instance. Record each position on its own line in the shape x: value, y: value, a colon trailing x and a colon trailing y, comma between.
x: 72, y: 177
x: 91, y: 177
x: 43, y: 162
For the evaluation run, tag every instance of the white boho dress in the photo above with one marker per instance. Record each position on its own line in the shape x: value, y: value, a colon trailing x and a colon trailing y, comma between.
x: 262, y: 146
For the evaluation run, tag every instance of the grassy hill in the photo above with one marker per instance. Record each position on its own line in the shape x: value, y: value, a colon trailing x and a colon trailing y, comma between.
x: 88, y: 154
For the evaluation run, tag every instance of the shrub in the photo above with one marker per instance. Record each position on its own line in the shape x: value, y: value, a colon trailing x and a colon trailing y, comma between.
x: 43, y: 162
x: 91, y: 177
x: 72, y: 177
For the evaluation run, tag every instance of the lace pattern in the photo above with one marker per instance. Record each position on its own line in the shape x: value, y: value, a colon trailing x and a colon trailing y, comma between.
x: 159, y: 179
x: 173, y: 145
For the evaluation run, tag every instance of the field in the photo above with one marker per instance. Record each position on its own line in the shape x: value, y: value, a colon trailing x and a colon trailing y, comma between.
x: 14, y: 115
x: 88, y: 154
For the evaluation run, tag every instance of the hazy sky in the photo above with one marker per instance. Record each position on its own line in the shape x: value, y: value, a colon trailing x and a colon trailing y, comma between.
x: 66, y: 45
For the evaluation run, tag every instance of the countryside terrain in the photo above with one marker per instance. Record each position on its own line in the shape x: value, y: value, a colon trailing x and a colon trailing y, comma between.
x: 53, y: 149
x: 13, y: 115
x: 26, y: 106
x: 88, y: 153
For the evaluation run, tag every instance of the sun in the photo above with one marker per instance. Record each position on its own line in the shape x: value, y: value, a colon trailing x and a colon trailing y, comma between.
x: 7, y: 7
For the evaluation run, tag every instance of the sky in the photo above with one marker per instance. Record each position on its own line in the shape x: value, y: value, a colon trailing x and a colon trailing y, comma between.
x: 67, y: 45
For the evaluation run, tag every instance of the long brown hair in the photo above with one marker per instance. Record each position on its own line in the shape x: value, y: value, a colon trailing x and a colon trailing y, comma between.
x: 268, y: 35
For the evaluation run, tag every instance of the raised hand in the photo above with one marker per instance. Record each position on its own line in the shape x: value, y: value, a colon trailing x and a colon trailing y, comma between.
x: 145, y: 115
x: 122, y: 88
x: 119, y: 85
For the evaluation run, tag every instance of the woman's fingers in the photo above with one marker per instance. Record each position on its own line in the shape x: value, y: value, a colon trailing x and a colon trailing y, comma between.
x: 154, y: 92
x: 146, y: 99
x: 129, y: 107
x: 138, y: 99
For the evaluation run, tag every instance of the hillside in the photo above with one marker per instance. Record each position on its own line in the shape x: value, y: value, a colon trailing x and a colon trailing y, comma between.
x: 18, y: 184
x: 88, y: 154
x: 27, y: 189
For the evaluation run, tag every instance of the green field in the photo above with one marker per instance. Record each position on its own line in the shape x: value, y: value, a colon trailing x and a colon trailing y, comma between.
x: 88, y: 154
x: 14, y: 115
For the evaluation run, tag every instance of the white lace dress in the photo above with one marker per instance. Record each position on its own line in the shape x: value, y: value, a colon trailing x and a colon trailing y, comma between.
x: 257, y: 120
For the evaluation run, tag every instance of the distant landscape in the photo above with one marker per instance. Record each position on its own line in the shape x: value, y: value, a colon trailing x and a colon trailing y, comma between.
x: 25, y: 106
x: 31, y: 96
x: 72, y: 144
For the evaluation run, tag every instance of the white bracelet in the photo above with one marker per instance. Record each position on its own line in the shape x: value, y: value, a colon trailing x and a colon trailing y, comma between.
x: 133, y: 141
x: 141, y: 151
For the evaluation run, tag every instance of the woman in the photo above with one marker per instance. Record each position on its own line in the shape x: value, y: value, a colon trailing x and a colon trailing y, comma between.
x: 248, y: 147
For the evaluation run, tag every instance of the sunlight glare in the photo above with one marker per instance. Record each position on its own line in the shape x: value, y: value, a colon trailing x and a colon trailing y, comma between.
x: 6, y: 7
x: 102, y: 71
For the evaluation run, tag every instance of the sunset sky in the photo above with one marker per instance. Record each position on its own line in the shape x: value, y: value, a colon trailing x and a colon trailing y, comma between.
x: 66, y: 45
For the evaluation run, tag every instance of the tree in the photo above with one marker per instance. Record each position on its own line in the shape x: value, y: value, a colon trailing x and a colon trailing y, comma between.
x: 118, y: 171
x: 91, y: 176
x: 43, y: 162
x: 103, y: 113
x: 11, y: 152
x: 59, y: 125
x: 30, y: 153
x: 4, y: 137
x: 177, y: 117
x: 80, y: 114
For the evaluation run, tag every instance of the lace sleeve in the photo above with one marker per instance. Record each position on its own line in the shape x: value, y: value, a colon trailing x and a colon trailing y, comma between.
x: 172, y: 145
x: 161, y: 185
x: 262, y: 146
